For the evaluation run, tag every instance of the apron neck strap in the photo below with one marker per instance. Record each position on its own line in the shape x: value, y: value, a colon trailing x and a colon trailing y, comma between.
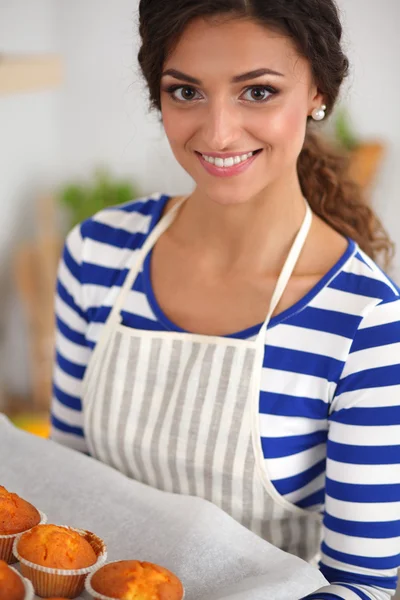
x: 288, y: 267
x: 139, y: 256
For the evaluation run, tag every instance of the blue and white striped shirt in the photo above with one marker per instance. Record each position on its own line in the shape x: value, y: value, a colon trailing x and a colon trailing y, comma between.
x: 329, y: 397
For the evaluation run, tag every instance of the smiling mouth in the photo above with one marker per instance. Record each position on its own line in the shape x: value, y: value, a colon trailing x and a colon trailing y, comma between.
x: 230, y: 160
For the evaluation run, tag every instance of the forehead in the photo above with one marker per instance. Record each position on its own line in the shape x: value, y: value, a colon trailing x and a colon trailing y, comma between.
x: 229, y: 47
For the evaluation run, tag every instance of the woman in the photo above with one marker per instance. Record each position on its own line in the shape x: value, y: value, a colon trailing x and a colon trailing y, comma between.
x: 170, y: 365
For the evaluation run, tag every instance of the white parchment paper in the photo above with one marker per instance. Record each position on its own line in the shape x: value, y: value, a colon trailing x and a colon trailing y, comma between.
x: 215, y: 557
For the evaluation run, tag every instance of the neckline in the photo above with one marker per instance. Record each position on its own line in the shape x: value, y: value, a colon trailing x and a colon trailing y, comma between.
x: 252, y: 331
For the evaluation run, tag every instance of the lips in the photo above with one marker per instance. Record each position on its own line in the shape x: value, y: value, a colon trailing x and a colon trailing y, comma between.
x: 227, y: 171
x: 230, y: 155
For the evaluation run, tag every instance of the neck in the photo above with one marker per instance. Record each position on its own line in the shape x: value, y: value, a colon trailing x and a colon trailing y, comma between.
x: 253, y: 236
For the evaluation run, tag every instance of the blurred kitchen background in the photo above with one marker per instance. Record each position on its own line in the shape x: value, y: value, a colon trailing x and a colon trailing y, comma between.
x: 75, y: 134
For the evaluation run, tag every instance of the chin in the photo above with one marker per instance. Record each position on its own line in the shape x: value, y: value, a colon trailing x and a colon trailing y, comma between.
x: 227, y: 199
x: 229, y: 193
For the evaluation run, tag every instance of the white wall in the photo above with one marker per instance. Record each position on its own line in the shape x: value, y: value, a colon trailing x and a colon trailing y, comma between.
x: 28, y: 122
x: 28, y: 151
x: 104, y: 104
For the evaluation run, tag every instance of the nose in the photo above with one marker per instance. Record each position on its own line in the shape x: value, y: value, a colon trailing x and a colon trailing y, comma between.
x: 222, y: 125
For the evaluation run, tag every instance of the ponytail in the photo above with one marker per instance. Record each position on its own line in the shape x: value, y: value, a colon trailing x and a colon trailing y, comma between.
x: 338, y: 200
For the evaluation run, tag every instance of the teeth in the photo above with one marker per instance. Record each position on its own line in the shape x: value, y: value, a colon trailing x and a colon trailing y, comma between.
x: 227, y: 162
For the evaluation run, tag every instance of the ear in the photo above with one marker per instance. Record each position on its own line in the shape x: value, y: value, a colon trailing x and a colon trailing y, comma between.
x: 317, y: 98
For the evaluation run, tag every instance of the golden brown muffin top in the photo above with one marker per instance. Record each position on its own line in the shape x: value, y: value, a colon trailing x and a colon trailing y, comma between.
x: 16, y: 514
x: 56, y: 547
x: 11, y: 586
x: 135, y: 580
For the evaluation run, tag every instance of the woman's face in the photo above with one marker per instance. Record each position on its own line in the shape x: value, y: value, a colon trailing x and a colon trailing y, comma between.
x: 214, y: 105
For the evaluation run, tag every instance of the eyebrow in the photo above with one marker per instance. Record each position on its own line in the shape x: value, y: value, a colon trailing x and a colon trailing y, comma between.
x: 237, y: 79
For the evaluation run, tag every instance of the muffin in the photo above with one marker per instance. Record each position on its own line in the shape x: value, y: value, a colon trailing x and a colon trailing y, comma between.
x: 11, y: 585
x: 56, y: 547
x: 16, y: 514
x: 58, y: 559
x: 134, y: 580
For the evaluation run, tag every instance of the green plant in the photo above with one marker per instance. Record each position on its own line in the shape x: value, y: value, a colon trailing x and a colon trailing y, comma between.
x: 82, y: 200
x: 343, y: 130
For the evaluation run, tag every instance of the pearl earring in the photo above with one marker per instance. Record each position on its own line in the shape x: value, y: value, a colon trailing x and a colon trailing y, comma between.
x: 318, y: 114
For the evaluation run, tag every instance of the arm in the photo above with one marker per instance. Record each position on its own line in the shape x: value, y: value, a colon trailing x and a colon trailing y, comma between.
x: 361, y: 546
x: 72, y: 352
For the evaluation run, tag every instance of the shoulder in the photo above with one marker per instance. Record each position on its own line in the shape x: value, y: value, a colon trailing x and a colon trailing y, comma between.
x: 98, y: 251
x: 353, y: 304
x: 113, y: 233
x: 373, y: 360
x: 361, y: 286
x: 365, y: 276
x: 116, y: 225
x: 372, y: 294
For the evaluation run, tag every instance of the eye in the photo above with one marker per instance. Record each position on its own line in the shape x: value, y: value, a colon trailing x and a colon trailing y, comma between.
x: 260, y: 93
x: 182, y: 93
x: 187, y: 93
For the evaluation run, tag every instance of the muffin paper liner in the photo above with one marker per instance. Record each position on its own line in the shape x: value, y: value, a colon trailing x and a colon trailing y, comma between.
x: 97, y: 595
x: 29, y: 593
x: 67, y: 583
x: 7, y: 541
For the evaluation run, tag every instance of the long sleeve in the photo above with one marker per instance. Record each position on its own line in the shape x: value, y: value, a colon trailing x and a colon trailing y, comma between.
x: 93, y: 266
x: 72, y: 353
x: 361, y: 540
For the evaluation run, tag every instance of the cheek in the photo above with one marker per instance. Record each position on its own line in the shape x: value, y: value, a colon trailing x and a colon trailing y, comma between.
x: 285, y: 128
x: 177, y: 129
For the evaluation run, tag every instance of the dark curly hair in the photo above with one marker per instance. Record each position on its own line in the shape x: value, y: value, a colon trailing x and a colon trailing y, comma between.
x: 315, y: 28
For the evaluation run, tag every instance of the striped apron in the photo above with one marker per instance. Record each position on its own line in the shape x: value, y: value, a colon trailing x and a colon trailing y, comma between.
x: 180, y: 412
